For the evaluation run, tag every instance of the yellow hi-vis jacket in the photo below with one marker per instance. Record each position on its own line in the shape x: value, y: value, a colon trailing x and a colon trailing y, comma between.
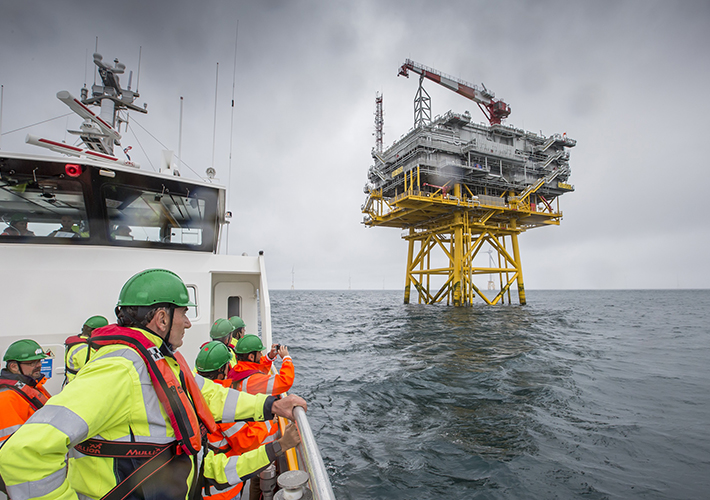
x: 74, y: 358
x: 112, y: 398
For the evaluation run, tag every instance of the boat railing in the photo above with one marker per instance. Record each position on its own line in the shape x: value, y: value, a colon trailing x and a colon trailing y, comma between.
x: 311, y: 459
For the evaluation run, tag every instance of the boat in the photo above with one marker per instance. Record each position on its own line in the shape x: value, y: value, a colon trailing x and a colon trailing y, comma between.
x: 91, y: 219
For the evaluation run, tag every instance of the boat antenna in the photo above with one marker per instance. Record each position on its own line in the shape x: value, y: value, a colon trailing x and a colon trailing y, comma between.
x: 138, y: 75
x: 180, y: 136
x: 96, y: 50
x: 2, y: 95
x: 86, y: 66
x: 231, y: 132
x: 214, y: 125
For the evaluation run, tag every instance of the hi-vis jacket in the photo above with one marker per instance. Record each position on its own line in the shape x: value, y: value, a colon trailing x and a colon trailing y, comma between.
x: 20, y: 397
x: 114, y: 399
x: 75, y: 356
x: 264, y: 363
x: 232, y: 440
x: 261, y: 383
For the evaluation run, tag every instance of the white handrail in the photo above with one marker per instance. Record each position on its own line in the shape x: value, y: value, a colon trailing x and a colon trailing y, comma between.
x: 320, y: 482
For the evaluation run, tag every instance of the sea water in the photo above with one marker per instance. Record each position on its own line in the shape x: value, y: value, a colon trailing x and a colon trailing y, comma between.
x: 593, y: 394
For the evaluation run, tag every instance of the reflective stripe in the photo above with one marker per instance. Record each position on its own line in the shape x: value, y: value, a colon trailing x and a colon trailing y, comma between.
x: 200, y: 381
x: 230, y: 470
x: 83, y: 497
x: 233, y: 429
x: 270, y: 384
x: 39, y: 488
x: 71, y: 359
x: 9, y: 430
x: 269, y: 439
x: 64, y: 420
x: 156, y: 422
x: 229, y: 413
x: 219, y: 444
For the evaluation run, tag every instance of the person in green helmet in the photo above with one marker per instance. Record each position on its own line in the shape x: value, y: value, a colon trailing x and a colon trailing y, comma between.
x: 235, y: 438
x: 17, y: 226
x: 222, y: 331
x: 240, y: 328
x: 22, y: 390
x: 77, y: 351
x: 225, y: 331
x: 133, y: 418
x: 248, y: 376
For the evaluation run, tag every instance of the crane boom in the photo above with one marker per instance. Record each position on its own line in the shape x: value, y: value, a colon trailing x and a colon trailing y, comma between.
x: 495, y: 110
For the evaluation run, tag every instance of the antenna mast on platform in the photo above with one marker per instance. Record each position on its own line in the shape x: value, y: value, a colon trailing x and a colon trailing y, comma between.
x: 379, y: 123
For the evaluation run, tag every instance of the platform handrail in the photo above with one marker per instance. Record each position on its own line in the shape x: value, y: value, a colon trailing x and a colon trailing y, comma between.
x: 312, y: 460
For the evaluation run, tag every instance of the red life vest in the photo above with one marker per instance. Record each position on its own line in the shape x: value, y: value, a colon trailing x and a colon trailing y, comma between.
x: 185, y: 413
x: 74, y: 340
x: 33, y: 397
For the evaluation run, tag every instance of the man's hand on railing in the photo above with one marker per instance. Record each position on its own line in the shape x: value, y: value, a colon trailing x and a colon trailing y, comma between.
x: 284, y: 407
x: 290, y: 438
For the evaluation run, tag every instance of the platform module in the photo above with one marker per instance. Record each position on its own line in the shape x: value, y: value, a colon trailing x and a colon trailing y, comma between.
x: 461, y: 189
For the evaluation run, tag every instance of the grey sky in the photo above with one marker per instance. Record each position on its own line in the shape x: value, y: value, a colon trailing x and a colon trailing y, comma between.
x: 627, y: 80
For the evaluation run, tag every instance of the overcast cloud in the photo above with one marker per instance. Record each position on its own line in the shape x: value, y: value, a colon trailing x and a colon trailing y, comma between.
x: 628, y: 80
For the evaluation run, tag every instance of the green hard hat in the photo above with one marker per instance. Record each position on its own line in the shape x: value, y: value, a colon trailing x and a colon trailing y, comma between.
x: 24, y: 350
x: 154, y: 286
x: 212, y: 356
x: 237, y: 322
x: 221, y: 328
x: 18, y: 218
x: 249, y: 343
x: 95, y: 322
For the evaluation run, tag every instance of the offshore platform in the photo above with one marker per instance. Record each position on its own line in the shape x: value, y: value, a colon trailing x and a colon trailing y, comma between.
x: 461, y: 190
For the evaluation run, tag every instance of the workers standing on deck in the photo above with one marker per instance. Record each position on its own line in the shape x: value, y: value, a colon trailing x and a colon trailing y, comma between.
x: 134, y: 413
x: 222, y: 331
x: 234, y: 438
x: 76, y: 347
x: 22, y: 389
x: 248, y: 376
x: 225, y: 331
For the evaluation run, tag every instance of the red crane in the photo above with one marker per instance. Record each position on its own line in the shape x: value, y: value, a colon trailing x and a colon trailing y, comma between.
x: 495, y: 110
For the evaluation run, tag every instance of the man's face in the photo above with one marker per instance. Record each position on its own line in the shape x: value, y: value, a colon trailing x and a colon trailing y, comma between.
x: 21, y: 226
x: 180, y: 323
x: 66, y: 221
x: 32, y: 369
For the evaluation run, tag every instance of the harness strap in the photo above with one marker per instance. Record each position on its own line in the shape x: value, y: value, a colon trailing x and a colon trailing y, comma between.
x: 35, y: 398
x: 120, y: 449
x: 142, y: 474
x: 239, y: 376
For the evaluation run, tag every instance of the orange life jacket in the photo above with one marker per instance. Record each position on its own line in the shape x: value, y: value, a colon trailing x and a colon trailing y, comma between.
x: 185, y: 413
x: 34, y: 398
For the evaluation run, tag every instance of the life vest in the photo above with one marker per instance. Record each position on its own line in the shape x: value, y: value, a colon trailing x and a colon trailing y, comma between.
x: 185, y: 413
x: 236, y: 376
x: 71, y: 342
x: 33, y: 397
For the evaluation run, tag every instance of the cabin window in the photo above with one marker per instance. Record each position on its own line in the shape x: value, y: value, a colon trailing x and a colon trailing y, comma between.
x: 136, y: 214
x: 33, y: 205
x: 234, y: 306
